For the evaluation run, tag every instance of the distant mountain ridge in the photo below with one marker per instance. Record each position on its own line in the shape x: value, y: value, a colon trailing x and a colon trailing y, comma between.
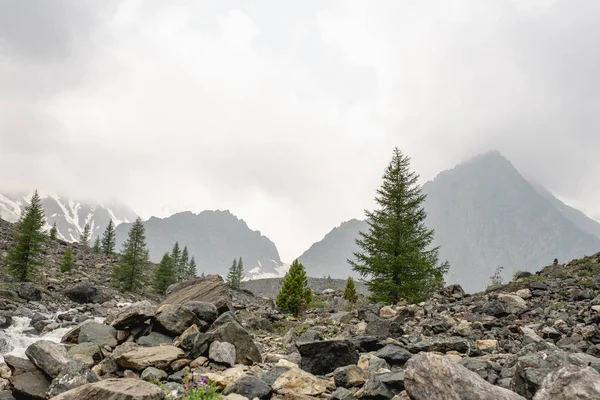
x: 485, y: 214
x: 214, y: 238
x: 70, y: 215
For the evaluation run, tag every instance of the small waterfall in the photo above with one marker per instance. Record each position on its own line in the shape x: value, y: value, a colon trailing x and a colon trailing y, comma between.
x: 14, y: 340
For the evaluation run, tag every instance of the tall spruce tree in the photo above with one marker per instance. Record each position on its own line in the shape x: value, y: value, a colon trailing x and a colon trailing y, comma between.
x: 165, y: 274
x: 67, y: 261
x: 192, y: 267
x: 395, y: 255
x: 183, y: 263
x: 84, y: 239
x: 134, y: 260
x: 108, y: 239
x: 176, y: 256
x: 233, y: 277
x: 97, y: 247
x: 24, y: 258
x: 240, y: 271
x: 295, y: 295
x: 53, y: 232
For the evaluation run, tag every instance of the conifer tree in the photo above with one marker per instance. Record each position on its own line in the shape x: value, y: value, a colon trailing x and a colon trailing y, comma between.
x: 192, y: 267
x: 108, y: 239
x: 176, y: 256
x: 233, y: 277
x: 395, y: 255
x: 67, y: 261
x: 53, y: 232
x: 97, y: 247
x: 84, y: 239
x: 350, y: 291
x: 24, y: 257
x: 240, y: 271
x: 164, y: 276
x: 295, y: 294
x: 183, y: 263
x: 134, y: 260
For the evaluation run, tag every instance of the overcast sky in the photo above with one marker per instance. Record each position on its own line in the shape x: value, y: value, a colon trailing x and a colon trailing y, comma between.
x: 286, y: 112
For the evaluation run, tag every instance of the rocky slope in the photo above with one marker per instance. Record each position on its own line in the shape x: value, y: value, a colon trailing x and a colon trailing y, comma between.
x: 485, y: 215
x: 534, y: 338
x: 215, y: 238
x: 269, y: 287
x: 70, y: 215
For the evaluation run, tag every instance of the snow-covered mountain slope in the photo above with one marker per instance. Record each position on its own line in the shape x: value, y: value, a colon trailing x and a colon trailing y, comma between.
x: 69, y: 215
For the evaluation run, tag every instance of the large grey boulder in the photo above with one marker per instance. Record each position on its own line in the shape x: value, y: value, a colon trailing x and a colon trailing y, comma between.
x: 102, y: 335
x: 154, y: 339
x: 204, y: 310
x: 72, y: 375
x: 174, y: 318
x: 429, y: 376
x: 28, y: 291
x: 114, y: 389
x: 30, y: 385
x: 88, y: 353
x: 84, y: 293
x: 570, y: 383
x: 48, y: 356
x: 245, y: 348
x: 133, y: 315
x: 222, y: 352
x: 141, y: 358
x: 210, y: 288
x: 248, y: 386
x: 323, y: 357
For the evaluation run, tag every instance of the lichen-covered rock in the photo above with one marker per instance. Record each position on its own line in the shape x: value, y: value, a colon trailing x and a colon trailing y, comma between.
x: 174, y: 318
x: 429, y: 376
x: 72, y: 375
x: 569, y: 383
x: 100, y: 334
x: 248, y: 386
x: 222, y: 352
x: 210, y: 288
x: 296, y: 381
x: 133, y: 315
x: 48, y: 356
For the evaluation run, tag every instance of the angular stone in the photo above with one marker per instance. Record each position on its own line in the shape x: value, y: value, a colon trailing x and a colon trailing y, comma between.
x: 30, y: 385
x: 568, y: 383
x: 222, y: 352
x: 205, y: 311
x: 323, y: 357
x: 48, y: 356
x: 115, y: 389
x: 342, y: 394
x: 245, y: 348
x: 487, y: 345
x: 394, y: 355
x: 72, y: 336
x: 387, y: 312
x: 72, y: 375
x: 210, y: 288
x: 222, y: 379
x: 174, y: 318
x: 28, y: 291
x: 296, y: 381
x: 143, y: 357
x: 84, y: 293
x: 154, y: 339
x: 88, y: 353
x: 196, y: 345
x: 102, y: 335
x: 430, y: 376
x: 372, y: 363
x: 441, y: 345
x: 513, y: 303
x: 349, y: 376
x: 248, y: 386
x: 153, y: 374
x: 133, y: 315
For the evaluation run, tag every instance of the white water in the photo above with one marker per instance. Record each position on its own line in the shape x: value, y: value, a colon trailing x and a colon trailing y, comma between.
x: 18, y: 340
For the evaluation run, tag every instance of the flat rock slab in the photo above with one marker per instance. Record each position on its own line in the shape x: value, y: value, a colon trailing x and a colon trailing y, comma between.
x: 114, y: 389
x: 135, y: 314
x: 429, y: 376
x: 48, y: 356
x: 210, y: 288
x: 143, y: 357
x: 30, y: 385
x: 98, y: 334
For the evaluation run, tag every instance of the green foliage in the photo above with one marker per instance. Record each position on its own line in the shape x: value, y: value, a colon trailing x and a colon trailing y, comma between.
x: 24, y: 258
x: 295, y: 294
x: 97, y: 247
x: 236, y: 274
x: 395, y: 255
x: 350, y: 291
x: 53, y: 232
x: 67, y: 262
x: 192, y: 267
x: 203, y: 390
x: 165, y: 274
x: 328, y: 282
x: 497, y: 279
x: 134, y: 260
x: 109, y: 239
x: 176, y: 256
x: 183, y: 262
x: 317, y: 302
x: 84, y: 239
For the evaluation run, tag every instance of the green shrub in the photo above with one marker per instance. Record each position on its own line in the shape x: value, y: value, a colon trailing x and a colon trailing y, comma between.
x: 350, y: 291
x: 295, y: 294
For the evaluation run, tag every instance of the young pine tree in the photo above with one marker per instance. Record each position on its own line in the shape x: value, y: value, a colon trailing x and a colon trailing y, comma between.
x: 233, y: 278
x: 67, y: 261
x: 164, y: 276
x: 240, y: 271
x: 295, y: 294
x: 53, y: 232
x: 97, y: 247
x: 192, y: 267
x: 176, y: 256
x: 24, y: 257
x: 108, y: 239
x: 183, y: 262
x: 134, y: 260
x: 395, y: 254
x: 350, y: 291
x: 84, y: 239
